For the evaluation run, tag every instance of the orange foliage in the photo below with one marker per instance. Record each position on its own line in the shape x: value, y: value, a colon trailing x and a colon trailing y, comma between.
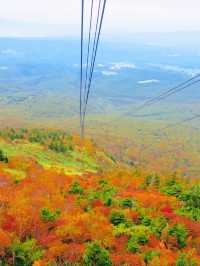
x: 74, y: 219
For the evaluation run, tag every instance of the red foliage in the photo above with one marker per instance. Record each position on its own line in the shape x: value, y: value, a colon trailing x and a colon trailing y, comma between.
x: 168, y: 212
x: 48, y: 239
x: 73, y: 220
x: 9, y: 223
x: 153, y: 242
x: 120, y: 244
x: 127, y: 259
x: 74, y: 252
x: 97, y: 203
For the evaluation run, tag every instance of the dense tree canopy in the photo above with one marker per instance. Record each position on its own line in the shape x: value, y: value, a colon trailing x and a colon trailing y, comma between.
x: 66, y: 202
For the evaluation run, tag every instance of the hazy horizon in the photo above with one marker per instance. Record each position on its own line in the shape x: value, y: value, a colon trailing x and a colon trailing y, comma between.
x: 47, y: 18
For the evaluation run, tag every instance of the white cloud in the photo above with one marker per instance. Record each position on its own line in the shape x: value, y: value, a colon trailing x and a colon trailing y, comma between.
x: 100, y: 65
x: 3, y: 68
x: 78, y: 65
x: 156, y: 44
x: 8, y: 52
x: 109, y: 73
x: 148, y: 81
x: 182, y: 70
x: 174, y: 55
x: 119, y: 66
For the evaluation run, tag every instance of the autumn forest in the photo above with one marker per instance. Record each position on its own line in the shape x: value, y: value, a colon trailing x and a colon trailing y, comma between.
x: 67, y: 201
x: 99, y: 133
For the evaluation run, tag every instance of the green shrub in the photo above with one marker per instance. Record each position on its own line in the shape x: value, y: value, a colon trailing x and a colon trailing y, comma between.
x: 47, y: 215
x: 180, y: 233
x: 145, y: 220
x: 3, y: 157
x: 185, y: 260
x: 76, y: 188
x: 192, y: 197
x: 122, y: 230
x: 190, y: 212
x: 26, y: 252
x: 157, y: 225
x: 103, y: 182
x: 139, y: 236
x: 58, y: 146
x: 152, y: 180
x: 142, y: 239
x: 127, y: 203
x: 95, y: 255
x: 38, y: 136
x: 13, y: 135
x: 106, y: 191
x: 117, y: 217
x: 108, y: 202
x: 172, y: 187
x: 133, y: 246
x: 149, y: 255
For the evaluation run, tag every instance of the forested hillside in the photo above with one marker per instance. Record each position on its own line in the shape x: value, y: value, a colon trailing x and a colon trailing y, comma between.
x: 64, y: 201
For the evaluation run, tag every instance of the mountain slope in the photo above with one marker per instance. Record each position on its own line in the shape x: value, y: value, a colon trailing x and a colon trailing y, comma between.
x: 64, y: 201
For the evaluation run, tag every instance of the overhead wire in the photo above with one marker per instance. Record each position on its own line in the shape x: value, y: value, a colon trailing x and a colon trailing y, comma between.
x: 81, y: 70
x: 88, y: 47
x: 188, y: 83
x: 174, y: 88
x: 183, y: 121
x: 85, y: 87
x: 169, y: 92
x: 85, y: 92
x: 95, y: 54
x: 92, y: 54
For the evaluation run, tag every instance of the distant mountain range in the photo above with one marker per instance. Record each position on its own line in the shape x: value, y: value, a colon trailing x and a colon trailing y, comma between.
x: 38, y: 75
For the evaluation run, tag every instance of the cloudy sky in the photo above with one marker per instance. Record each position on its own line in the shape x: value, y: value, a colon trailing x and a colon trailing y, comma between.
x: 61, y: 17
